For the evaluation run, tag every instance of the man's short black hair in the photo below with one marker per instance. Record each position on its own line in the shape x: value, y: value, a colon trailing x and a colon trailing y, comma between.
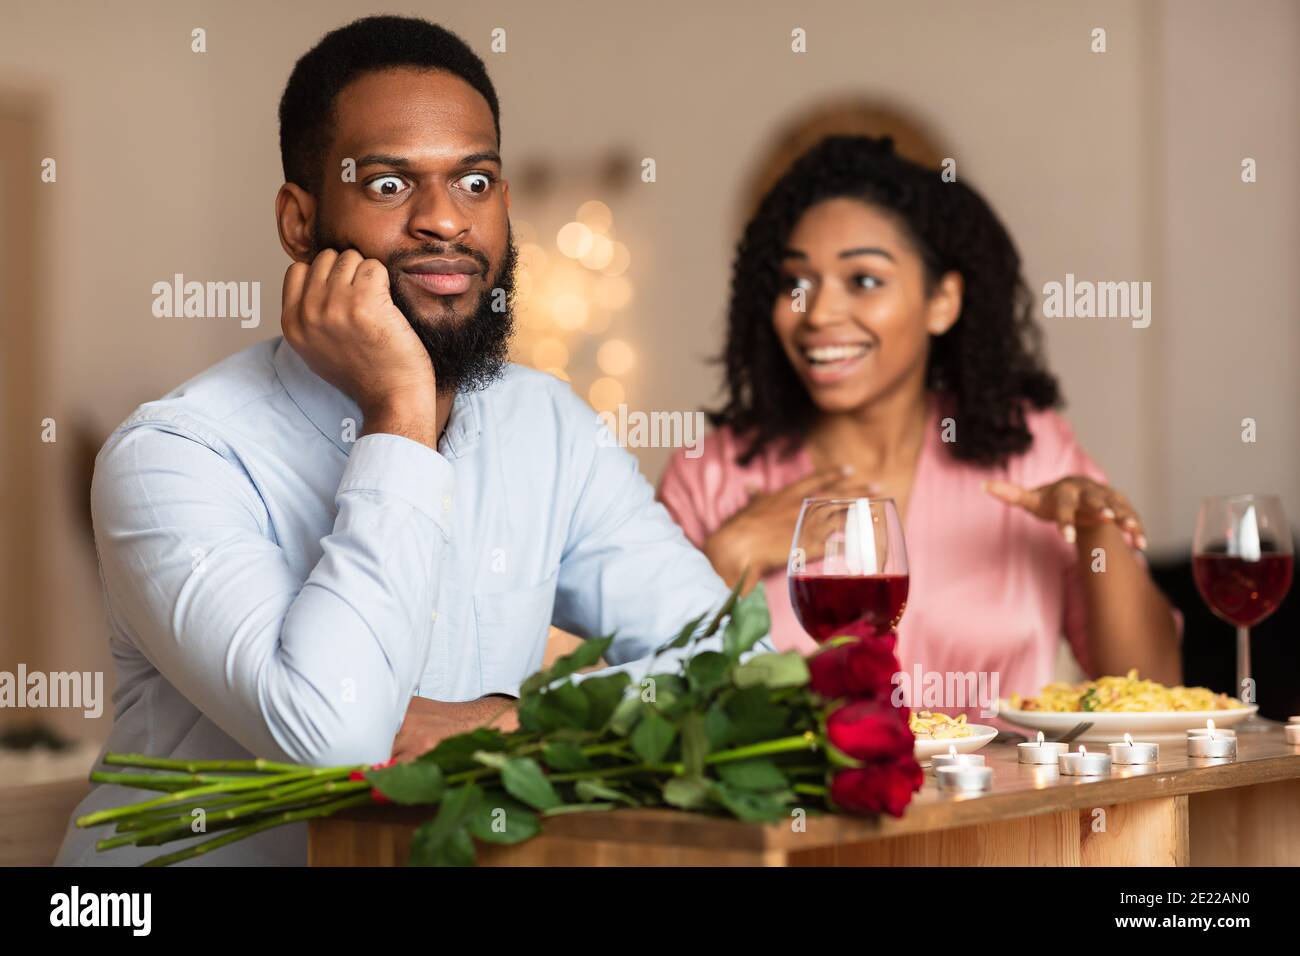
x: 363, y: 46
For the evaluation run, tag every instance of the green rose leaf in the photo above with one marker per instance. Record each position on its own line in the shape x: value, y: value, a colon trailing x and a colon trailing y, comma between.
x: 683, y: 636
x: 409, y: 783
x: 749, y: 622
x: 717, y: 727
x: 603, y: 694
x: 445, y: 840
x: 523, y: 779
x: 772, y: 671
x: 689, y: 793
x: 580, y: 808
x: 454, y: 849
x: 584, y: 655
x: 752, y: 807
x: 757, y: 775
x: 457, y: 753
x: 653, y: 737
x: 564, y: 755
x: 591, y: 790
x: 727, y: 607
x: 625, y: 715
x: 662, y: 690
x: 707, y: 670
x: 499, y: 819
x: 754, y: 716
x: 563, y: 706
x: 489, y: 759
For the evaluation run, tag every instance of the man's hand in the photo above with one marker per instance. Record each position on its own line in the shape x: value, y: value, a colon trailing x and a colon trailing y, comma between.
x: 428, y: 722
x: 339, y: 316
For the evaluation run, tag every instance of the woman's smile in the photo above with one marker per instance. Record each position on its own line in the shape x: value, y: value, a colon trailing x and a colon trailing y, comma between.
x: 830, y: 363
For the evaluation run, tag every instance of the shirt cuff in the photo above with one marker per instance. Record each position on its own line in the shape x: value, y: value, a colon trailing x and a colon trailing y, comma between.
x: 395, y: 465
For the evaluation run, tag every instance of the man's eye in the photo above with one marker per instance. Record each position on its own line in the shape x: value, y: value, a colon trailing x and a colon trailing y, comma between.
x: 866, y: 281
x: 386, y: 186
x: 476, y: 183
x: 796, y: 282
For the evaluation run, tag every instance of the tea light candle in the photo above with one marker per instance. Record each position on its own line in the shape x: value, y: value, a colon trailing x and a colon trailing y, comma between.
x: 1041, y: 751
x: 954, y: 759
x: 1209, y: 730
x: 1212, y: 745
x: 1292, y: 732
x: 964, y: 777
x: 1130, y: 753
x: 1084, y: 764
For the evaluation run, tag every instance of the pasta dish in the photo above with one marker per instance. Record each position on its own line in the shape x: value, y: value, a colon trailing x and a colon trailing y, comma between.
x: 1124, y: 694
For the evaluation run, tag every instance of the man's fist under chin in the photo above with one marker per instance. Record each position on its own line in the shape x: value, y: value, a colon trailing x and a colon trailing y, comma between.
x: 338, y: 314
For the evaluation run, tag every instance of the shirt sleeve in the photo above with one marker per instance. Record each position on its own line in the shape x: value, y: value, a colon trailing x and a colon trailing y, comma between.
x: 1071, y: 459
x: 316, y: 670
x: 627, y: 568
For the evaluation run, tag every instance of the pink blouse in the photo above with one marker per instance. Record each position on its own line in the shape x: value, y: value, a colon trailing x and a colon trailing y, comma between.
x: 992, y: 588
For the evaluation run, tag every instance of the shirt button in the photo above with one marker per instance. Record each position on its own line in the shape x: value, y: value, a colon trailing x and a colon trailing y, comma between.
x: 434, y: 618
x: 446, y: 502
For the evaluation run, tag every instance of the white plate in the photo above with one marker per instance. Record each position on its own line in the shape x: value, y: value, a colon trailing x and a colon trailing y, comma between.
x: 927, y: 747
x: 1110, y: 726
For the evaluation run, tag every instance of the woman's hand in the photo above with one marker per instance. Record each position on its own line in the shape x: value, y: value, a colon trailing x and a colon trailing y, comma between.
x: 757, y: 538
x: 1073, y: 503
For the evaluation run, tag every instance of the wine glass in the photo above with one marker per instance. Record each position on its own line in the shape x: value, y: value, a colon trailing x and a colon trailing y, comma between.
x: 848, y: 565
x: 1242, y: 562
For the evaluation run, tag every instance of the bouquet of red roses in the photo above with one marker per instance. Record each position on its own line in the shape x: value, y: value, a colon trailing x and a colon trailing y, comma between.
x: 752, y: 735
x: 856, y: 670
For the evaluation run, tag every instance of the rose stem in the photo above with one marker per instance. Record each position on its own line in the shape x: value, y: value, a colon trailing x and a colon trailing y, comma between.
x: 163, y: 830
x: 198, y: 766
x: 181, y: 796
x: 291, y: 816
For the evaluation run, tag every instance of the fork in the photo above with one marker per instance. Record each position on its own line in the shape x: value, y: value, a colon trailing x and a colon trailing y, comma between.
x: 1008, y: 737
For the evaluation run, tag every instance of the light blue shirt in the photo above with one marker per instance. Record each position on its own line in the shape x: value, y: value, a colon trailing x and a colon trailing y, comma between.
x: 278, y: 587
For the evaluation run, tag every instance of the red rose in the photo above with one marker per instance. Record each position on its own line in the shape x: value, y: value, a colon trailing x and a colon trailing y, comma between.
x: 870, y: 730
x: 862, y: 668
x: 886, y: 786
x: 375, y: 793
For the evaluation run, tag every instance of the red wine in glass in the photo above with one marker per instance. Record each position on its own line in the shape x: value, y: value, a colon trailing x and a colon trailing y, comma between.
x: 1239, y: 591
x: 826, y: 603
x: 848, y: 565
x: 1242, y: 562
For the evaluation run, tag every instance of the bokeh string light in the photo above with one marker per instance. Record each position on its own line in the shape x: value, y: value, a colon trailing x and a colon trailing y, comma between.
x: 572, y: 287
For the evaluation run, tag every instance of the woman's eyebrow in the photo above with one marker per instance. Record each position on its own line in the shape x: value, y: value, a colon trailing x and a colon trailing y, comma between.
x: 846, y: 254
x: 866, y: 251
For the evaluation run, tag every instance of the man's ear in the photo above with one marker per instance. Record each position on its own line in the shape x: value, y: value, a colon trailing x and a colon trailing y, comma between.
x: 295, y: 214
x: 944, y: 306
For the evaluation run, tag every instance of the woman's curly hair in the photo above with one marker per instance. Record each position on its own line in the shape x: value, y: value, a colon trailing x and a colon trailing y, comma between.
x: 983, y: 369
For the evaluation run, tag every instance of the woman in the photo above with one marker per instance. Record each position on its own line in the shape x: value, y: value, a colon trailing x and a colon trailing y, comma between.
x: 879, y: 341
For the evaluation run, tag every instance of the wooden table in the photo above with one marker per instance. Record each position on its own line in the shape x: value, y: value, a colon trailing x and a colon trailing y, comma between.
x: 1185, y: 811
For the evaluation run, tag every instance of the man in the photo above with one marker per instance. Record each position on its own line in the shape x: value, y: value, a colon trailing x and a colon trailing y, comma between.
x: 345, y: 544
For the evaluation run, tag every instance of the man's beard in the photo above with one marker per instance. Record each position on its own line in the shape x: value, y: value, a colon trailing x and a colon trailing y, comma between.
x: 468, y: 351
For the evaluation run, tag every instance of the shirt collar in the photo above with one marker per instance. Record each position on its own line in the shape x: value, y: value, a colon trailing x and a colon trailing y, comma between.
x: 328, y: 408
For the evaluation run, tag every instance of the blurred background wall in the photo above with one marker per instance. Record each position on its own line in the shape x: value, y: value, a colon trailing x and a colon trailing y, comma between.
x: 1120, y: 166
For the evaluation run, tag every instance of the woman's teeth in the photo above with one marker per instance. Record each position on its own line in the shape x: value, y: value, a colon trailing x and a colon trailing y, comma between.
x: 826, y: 354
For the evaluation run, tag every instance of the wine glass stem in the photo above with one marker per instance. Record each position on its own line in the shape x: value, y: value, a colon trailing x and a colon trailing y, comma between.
x: 1243, y: 665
